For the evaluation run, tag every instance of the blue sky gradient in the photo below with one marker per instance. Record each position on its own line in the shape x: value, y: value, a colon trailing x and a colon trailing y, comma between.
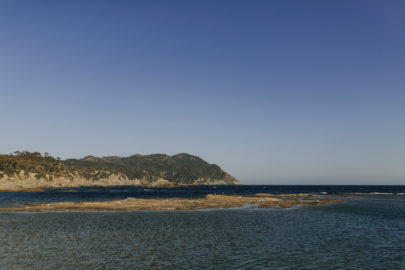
x: 275, y: 92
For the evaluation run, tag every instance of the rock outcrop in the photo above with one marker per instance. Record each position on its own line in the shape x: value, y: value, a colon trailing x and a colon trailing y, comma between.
x: 209, y: 202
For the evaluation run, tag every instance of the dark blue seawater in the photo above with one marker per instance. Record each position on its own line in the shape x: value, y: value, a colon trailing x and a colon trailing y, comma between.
x: 368, y: 233
x: 115, y: 193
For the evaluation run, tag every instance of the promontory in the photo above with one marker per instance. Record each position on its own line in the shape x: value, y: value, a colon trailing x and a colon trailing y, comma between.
x: 26, y: 170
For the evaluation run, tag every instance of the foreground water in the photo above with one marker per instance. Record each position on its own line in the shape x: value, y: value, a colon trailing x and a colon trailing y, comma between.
x: 368, y: 233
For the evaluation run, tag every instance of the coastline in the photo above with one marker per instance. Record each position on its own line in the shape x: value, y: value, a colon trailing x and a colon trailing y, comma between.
x: 31, y: 184
x: 42, y: 188
x: 210, y: 201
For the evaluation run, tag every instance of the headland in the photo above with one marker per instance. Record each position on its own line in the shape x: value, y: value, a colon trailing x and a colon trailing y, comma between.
x: 26, y: 171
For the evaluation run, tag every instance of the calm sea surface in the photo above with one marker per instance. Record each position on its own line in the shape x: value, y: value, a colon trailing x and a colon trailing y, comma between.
x: 368, y: 233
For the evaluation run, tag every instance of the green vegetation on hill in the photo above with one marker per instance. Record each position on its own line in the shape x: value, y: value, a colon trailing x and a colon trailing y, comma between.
x: 43, y: 166
x: 181, y: 168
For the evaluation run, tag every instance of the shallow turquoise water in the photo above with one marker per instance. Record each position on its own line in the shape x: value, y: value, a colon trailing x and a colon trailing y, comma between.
x: 365, y: 234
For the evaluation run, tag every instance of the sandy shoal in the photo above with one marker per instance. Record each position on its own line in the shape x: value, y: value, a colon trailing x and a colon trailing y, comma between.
x: 209, y: 202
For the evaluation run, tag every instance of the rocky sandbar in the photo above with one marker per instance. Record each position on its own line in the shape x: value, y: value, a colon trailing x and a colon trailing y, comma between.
x: 209, y: 202
x: 21, y: 189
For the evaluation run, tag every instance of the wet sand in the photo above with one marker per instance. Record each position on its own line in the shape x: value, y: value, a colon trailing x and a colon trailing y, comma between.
x: 209, y: 202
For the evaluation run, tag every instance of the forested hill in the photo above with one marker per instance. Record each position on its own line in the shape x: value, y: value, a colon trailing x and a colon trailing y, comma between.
x: 180, y: 169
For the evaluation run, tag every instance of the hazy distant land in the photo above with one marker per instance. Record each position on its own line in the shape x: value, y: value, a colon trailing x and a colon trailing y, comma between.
x: 25, y: 171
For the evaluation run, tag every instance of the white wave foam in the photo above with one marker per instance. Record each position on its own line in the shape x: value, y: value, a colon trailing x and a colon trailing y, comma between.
x: 372, y: 193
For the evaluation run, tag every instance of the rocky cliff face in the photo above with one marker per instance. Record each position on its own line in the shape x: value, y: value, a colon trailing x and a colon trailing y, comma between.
x: 32, y: 170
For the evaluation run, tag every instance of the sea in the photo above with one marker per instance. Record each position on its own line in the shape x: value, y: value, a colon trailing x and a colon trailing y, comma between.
x: 366, y: 233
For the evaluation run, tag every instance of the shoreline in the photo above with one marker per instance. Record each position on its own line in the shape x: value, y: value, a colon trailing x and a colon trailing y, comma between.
x: 210, y: 201
x: 72, y: 188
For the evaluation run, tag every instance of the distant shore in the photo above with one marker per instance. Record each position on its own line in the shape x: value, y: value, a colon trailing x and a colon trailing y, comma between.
x: 34, y: 170
x: 209, y: 202
x: 41, y: 188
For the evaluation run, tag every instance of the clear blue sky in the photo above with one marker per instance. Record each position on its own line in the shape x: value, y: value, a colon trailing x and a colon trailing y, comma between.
x: 294, y: 92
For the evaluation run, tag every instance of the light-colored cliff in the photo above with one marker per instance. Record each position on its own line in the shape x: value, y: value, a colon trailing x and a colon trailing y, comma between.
x: 30, y: 181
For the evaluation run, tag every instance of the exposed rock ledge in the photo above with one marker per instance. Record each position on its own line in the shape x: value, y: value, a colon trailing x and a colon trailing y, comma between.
x: 210, y: 201
x: 23, y: 183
